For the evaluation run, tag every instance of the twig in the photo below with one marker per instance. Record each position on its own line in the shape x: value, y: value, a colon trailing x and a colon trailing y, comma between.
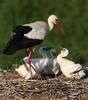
x: 35, y: 91
x: 76, y: 94
x: 18, y: 98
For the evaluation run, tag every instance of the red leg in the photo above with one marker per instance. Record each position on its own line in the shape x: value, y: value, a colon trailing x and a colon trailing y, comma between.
x: 29, y: 62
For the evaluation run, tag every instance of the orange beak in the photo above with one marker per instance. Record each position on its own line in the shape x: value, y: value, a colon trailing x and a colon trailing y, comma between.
x: 59, y: 27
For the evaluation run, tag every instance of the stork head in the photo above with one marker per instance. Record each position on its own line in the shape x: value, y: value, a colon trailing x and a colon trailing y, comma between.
x: 42, y: 51
x: 64, y: 52
x: 54, y: 20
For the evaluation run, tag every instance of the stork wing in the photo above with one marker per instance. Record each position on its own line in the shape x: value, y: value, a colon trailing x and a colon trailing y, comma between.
x: 18, y: 43
x: 21, y: 30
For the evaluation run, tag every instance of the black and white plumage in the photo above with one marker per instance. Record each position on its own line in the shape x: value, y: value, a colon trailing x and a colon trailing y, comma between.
x: 29, y: 35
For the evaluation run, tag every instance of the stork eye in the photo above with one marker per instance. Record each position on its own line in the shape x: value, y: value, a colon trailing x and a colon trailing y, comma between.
x: 56, y: 20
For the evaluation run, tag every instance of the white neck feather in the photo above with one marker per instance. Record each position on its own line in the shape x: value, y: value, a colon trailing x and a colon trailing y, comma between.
x: 43, y: 54
x: 51, y: 25
x: 60, y: 55
x: 53, y: 56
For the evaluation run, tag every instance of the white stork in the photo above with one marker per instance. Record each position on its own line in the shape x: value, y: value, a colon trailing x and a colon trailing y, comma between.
x: 69, y: 68
x: 30, y: 35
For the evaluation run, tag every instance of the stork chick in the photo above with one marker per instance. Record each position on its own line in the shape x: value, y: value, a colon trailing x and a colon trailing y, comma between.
x: 55, y: 65
x: 37, y: 63
x: 68, y: 67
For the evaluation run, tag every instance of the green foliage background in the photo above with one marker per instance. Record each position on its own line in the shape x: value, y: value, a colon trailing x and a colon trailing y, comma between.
x: 73, y: 15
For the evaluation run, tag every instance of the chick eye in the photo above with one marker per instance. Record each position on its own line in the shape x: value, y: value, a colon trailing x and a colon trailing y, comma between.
x: 63, y: 49
x: 43, y: 48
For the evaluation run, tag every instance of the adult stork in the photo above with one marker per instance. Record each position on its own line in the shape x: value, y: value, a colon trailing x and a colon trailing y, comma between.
x: 30, y: 35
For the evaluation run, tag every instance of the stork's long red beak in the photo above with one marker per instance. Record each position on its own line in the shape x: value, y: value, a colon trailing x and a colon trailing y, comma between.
x: 59, y: 27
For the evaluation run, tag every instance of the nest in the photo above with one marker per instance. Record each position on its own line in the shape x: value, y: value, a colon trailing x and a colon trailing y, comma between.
x: 14, y: 87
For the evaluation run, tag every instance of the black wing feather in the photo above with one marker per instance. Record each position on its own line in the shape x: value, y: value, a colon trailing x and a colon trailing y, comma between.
x: 21, y: 30
x: 18, y: 43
